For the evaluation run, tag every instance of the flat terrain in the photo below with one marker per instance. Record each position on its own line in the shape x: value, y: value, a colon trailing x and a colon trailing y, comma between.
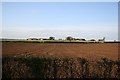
x: 90, y: 51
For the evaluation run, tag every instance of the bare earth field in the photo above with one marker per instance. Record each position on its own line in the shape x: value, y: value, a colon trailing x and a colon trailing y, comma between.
x: 60, y: 60
x: 92, y: 51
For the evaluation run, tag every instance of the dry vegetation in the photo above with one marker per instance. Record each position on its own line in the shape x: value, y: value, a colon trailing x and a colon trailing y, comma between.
x: 41, y: 67
x: 60, y: 60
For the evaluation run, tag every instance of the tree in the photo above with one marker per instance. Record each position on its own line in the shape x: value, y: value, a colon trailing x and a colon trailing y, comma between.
x: 69, y: 38
x: 52, y: 38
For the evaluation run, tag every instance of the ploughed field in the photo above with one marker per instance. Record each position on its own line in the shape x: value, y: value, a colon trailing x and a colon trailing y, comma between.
x: 60, y: 60
x: 91, y: 51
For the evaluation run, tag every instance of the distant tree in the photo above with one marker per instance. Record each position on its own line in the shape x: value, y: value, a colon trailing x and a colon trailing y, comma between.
x: 52, y: 38
x: 69, y: 38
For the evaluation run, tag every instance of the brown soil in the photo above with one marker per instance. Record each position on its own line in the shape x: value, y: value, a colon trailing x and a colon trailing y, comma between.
x: 90, y: 51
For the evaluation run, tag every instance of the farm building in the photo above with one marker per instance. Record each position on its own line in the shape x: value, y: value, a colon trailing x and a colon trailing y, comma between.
x: 82, y: 40
x: 32, y: 39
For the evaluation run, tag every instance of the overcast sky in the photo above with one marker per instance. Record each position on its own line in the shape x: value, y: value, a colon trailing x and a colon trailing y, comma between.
x: 60, y: 19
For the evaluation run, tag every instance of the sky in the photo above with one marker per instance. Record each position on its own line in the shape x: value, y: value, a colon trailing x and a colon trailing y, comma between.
x: 89, y: 20
x: 60, y: 0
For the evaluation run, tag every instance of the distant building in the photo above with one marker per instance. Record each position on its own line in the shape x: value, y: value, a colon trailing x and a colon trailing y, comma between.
x: 92, y: 40
x: 45, y: 39
x: 32, y: 39
x: 76, y: 39
x: 102, y: 40
x: 60, y: 39
x: 40, y: 39
x: 82, y: 40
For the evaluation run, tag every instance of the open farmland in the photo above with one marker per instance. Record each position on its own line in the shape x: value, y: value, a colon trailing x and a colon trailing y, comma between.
x: 60, y: 60
x: 89, y: 51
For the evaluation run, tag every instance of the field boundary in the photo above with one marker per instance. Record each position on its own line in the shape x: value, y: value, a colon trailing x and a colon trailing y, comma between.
x: 43, y: 67
x: 56, y: 41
